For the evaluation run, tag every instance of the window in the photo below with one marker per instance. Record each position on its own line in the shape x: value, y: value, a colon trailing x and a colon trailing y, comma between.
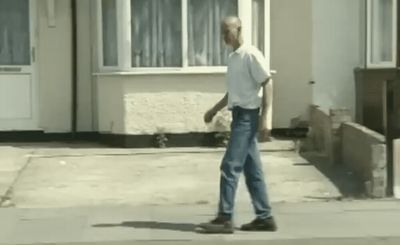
x: 156, y: 33
x: 206, y: 47
x: 177, y: 34
x: 258, y: 24
x: 381, y: 33
x: 109, y: 23
x: 14, y: 33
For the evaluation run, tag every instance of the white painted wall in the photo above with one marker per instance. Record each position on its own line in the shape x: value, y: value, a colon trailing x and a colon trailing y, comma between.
x: 110, y: 112
x: 291, y: 42
x: 336, y: 51
x: 54, y: 64
x: 55, y: 71
x: 85, y: 85
x: 147, y: 104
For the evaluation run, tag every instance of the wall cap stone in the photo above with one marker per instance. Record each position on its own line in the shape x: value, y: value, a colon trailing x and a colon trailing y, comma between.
x: 379, y: 137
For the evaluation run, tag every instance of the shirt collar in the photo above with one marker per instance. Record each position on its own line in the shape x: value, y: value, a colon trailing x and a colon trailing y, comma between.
x: 239, y: 50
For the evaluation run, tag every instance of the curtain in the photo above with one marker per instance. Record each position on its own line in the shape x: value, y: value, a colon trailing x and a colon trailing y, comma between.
x: 14, y: 32
x: 206, y: 46
x: 258, y: 21
x: 156, y: 33
x: 109, y: 25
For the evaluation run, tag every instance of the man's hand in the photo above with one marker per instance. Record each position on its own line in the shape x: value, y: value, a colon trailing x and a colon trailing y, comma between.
x: 208, y: 117
x: 263, y: 131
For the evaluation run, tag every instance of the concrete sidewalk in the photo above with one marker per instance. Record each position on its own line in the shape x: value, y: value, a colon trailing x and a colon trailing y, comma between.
x: 16, y: 157
x: 67, y: 178
x: 86, y: 194
x: 375, y: 221
x: 12, y: 162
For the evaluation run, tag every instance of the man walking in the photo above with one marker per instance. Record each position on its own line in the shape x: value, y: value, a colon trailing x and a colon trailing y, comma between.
x: 247, y: 74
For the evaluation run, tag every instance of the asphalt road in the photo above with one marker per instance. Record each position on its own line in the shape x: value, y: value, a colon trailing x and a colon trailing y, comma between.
x: 324, y: 241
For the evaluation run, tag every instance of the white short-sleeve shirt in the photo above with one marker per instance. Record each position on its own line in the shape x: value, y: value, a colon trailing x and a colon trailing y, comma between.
x: 247, y: 70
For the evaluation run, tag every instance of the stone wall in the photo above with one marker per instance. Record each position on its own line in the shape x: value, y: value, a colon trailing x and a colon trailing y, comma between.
x: 326, y: 131
x: 320, y: 130
x: 364, y: 151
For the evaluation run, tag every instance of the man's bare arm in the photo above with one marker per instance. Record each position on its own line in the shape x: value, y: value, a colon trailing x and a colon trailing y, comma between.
x: 219, y: 106
x: 263, y: 127
x: 264, y: 102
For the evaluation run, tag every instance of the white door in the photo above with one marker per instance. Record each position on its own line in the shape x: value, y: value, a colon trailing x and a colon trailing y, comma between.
x: 18, y: 96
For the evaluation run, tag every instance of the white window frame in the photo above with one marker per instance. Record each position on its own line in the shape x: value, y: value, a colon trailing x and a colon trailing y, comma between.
x: 393, y: 62
x: 124, y: 33
x: 267, y: 30
x: 26, y: 69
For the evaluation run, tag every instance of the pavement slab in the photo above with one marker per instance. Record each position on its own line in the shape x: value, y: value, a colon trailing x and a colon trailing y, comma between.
x: 90, y: 194
x: 158, y: 179
x: 12, y: 162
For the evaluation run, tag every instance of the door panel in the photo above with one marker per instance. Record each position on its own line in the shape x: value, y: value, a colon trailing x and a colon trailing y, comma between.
x: 15, y: 97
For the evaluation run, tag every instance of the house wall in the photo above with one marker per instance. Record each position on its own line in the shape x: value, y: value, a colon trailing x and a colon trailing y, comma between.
x: 291, y: 45
x: 337, y: 49
x: 109, y: 108
x: 176, y: 103
x: 303, y: 48
x: 86, y: 113
x: 146, y: 104
x: 54, y: 68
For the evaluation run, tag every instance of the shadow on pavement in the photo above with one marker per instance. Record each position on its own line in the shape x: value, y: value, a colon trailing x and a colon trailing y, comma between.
x: 348, y: 184
x: 185, y: 227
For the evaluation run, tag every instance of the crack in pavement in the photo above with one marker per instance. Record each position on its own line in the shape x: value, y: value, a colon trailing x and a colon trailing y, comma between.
x: 6, y: 199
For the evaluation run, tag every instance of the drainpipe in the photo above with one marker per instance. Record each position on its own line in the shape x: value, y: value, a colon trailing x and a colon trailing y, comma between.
x: 74, y: 118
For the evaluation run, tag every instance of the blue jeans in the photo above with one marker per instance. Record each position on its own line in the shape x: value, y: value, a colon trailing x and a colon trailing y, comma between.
x: 242, y: 154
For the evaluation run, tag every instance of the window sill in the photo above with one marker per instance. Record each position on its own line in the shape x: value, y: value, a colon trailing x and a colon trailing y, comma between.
x: 165, y: 71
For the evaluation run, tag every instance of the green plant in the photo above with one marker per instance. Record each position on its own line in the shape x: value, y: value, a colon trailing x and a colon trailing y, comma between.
x: 161, y: 138
x: 222, y: 139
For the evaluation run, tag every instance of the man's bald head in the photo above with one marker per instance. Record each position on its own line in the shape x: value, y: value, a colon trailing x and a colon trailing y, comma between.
x: 232, y: 31
x: 232, y: 21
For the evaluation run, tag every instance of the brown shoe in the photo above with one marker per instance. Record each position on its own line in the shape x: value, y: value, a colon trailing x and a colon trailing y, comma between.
x: 260, y: 225
x: 219, y: 225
